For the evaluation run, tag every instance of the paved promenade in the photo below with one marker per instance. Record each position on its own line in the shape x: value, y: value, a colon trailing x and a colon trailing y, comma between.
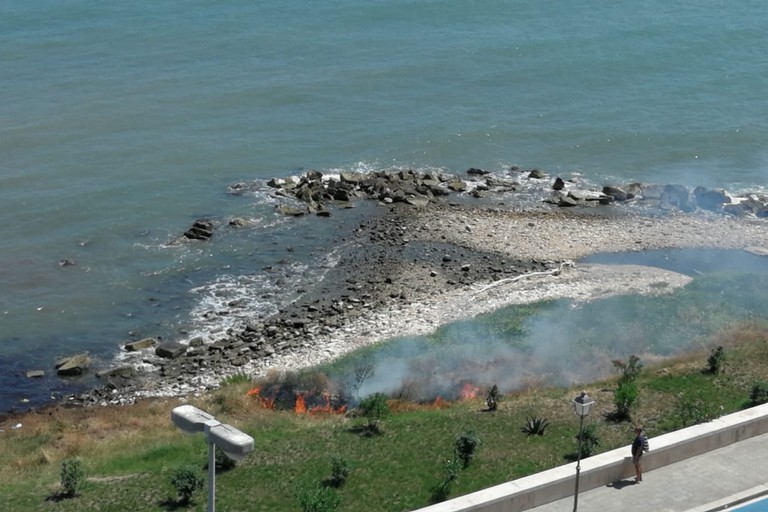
x: 704, y: 483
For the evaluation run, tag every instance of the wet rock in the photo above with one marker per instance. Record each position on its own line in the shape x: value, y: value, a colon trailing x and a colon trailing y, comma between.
x: 559, y: 184
x: 202, y: 229
x: 35, y: 374
x: 73, y: 365
x: 712, y: 200
x: 536, y: 174
x: 133, y: 346
x: 678, y: 196
x: 617, y: 193
x: 170, y: 350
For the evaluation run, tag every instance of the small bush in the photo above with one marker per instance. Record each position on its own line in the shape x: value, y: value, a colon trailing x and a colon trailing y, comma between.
x: 629, y: 370
x: 589, y: 440
x: 692, y: 411
x: 375, y: 408
x: 223, y: 461
x: 319, y: 499
x: 535, y: 426
x: 625, y: 398
x: 339, y: 470
x: 493, y: 398
x: 759, y: 393
x: 236, y: 379
x: 464, y: 447
x: 716, y: 360
x: 187, y: 480
x: 451, y: 471
x: 72, y: 477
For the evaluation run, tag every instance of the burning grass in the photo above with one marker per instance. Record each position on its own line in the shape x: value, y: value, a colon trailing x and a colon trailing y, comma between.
x: 389, y: 472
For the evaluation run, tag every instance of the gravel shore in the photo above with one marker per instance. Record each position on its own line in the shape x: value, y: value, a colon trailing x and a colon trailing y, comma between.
x: 415, y: 269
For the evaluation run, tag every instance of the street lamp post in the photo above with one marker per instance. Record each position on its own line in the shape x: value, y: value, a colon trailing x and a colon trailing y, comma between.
x: 234, y: 443
x: 581, y: 405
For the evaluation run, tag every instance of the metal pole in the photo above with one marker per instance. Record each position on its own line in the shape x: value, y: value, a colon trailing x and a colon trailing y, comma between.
x: 578, y: 465
x: 211, y: 471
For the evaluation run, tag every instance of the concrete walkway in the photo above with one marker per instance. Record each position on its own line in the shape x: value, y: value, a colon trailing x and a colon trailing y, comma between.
x: 703, y: 483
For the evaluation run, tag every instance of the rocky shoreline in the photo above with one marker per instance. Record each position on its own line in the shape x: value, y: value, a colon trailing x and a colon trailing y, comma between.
x: 428, y: 258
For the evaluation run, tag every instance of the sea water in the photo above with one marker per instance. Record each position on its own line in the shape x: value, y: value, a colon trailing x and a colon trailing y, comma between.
x: 123, y: 122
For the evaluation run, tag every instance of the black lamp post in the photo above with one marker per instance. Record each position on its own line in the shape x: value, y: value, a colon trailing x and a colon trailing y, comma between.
x: 581, y: 406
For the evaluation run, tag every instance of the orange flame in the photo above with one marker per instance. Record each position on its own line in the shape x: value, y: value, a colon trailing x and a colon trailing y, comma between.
x: 469, y: 391
x: 301, y: 406
x: 267, y: 403
x: 327, y: 408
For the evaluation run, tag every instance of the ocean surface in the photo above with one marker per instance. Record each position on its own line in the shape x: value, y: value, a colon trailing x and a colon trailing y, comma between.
x: 123, y: 122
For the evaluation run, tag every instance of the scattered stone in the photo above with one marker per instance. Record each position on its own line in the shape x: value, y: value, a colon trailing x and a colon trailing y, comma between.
x: 35, y: 374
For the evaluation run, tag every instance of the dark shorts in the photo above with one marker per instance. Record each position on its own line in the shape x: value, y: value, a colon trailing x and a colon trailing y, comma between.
x: 636, y: 459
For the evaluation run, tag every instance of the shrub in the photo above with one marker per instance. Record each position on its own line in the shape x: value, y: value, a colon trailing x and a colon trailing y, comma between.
x: 716, y: 360
x: 535, y: 426
x: 319, y: 499
x: 759, y: 393
x: 72, y: 477
x: 451, y: 471
x: 375, y: 408
x: 339, y: 470
x: 493, y: 398
x: 589, y: 440
x: 692, y: 411
x: 223, y: 461
x: 236, y: 379
x: 625, y: 399
x: 629, y: 370
x: 464, y: 447
x: 186, y: 480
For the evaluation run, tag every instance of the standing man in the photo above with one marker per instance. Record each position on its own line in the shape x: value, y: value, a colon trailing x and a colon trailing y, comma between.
x: 639, y: 446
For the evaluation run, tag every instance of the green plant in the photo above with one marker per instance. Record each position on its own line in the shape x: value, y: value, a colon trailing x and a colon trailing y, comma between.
x: 693, y: 410
x: 235, y: 379
x: 464, y: 447
x: 319, y: 499
x: 534, y: 426
x: 625, y: 398
x: 375, y: 408
x: 72, y: 476
x: 451, y: 471
x: 186, y: 480
x: 339, y: 470
x: 589, y: 440
x: 716, y: 360
x: 223, y: 461
x: 493, y: 398
x: 629, y: 370
x: 759, y: 393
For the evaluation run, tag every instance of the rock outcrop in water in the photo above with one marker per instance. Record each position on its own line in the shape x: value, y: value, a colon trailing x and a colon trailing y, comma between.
x: 428, y: 242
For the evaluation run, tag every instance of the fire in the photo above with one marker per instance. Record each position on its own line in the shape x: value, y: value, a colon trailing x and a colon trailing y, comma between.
x: 266, y: 402
x: 469, y: 391
x: 301, y: 405
x: 301, y: 402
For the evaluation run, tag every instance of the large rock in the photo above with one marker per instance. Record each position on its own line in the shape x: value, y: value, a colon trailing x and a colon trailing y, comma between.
x: 133, y: 346
x: 679, y: 197
x: 712, y: 200
x: 73, y: 365
x: 202, y: 229
x: 170, y: 350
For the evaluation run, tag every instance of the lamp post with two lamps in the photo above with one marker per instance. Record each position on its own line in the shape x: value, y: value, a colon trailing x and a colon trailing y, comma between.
x: 582, y: 404
x: 234, y: 443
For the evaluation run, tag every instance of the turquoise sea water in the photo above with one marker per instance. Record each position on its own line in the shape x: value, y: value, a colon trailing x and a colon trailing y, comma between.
x: 121, y: 123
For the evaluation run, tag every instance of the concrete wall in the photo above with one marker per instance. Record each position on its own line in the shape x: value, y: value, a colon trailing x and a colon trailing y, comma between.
x: 554, y: 484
